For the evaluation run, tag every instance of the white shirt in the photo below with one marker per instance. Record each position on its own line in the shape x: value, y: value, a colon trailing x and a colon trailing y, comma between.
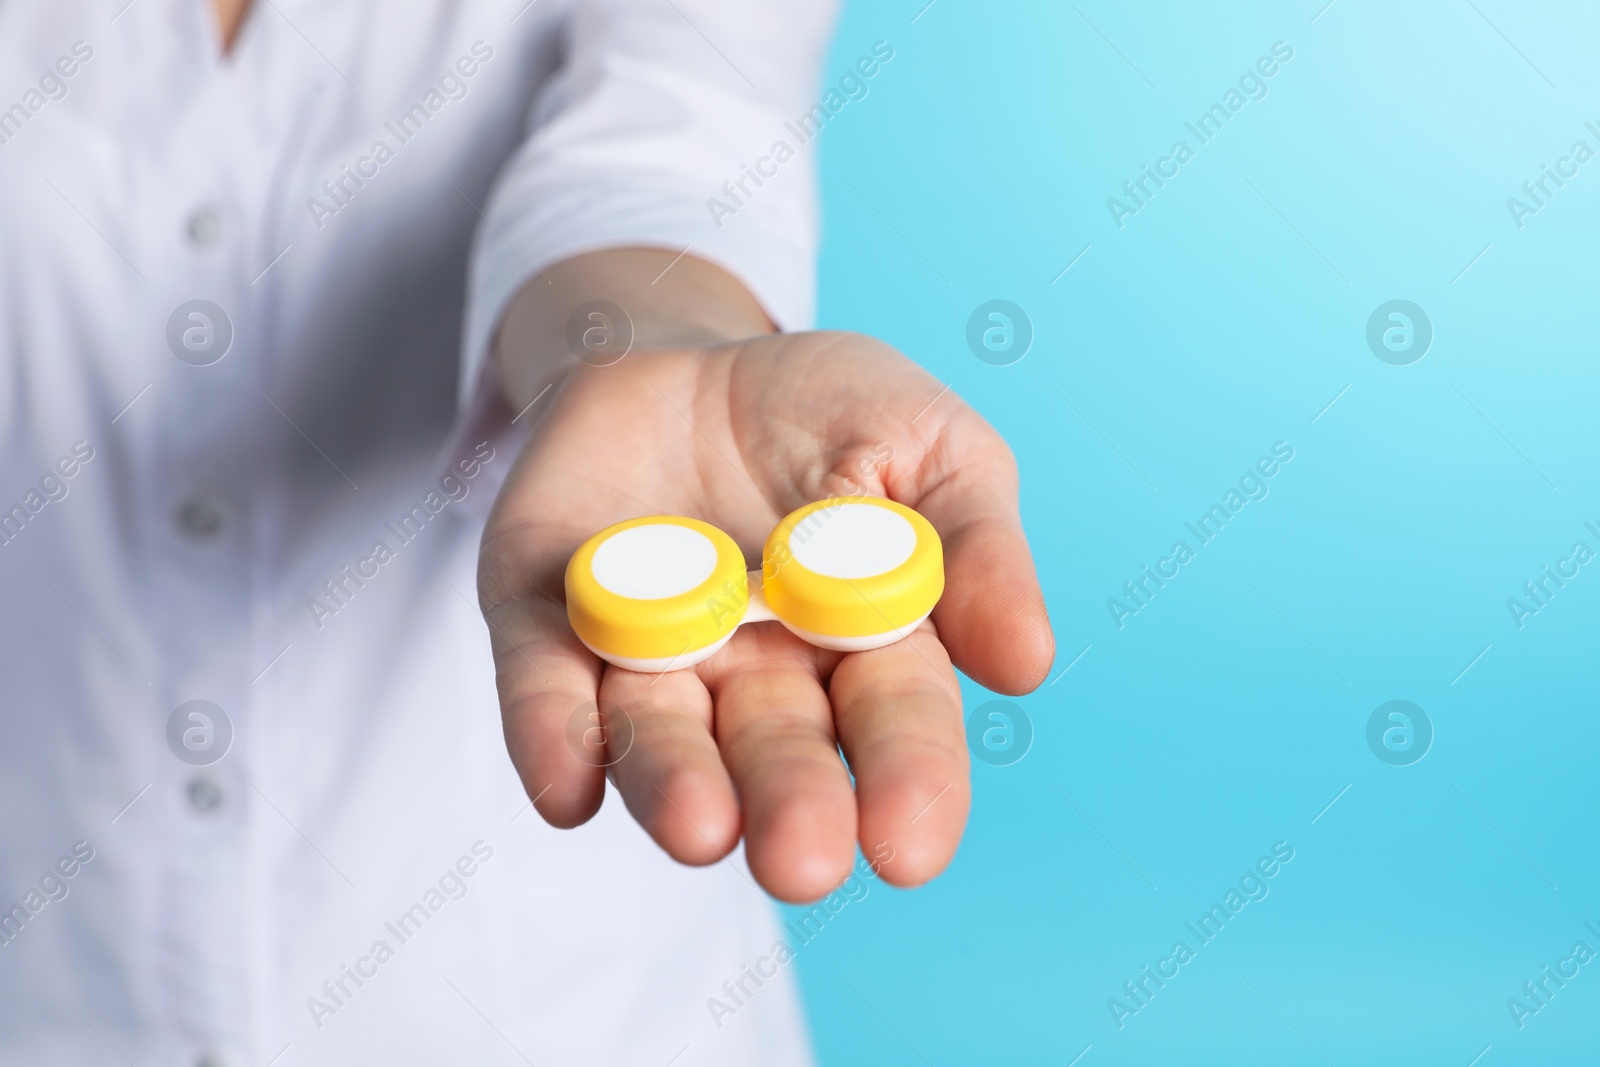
x: 179, y: 527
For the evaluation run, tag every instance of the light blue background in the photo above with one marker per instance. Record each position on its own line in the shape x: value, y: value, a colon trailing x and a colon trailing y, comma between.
x: 1221, y: 319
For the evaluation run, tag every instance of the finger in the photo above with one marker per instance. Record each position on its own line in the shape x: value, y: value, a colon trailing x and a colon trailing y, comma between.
x: 547, y: 683
x: 992, y: 617
x: 774, y: 726
x: 898, y: 711
x: 671, y: 775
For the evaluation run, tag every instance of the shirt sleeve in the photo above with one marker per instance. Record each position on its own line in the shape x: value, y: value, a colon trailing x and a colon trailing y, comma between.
x: 671, y: 123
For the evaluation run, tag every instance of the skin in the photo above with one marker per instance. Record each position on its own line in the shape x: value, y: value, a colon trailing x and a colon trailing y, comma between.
x: 715, y: 416
x: 230, y: 16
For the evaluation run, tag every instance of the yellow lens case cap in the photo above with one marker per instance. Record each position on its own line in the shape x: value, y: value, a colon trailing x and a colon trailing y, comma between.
x: 853, y: 573
x: 653, y: 592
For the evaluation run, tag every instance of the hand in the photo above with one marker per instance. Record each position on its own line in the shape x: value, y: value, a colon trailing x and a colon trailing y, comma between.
x: 739, y: 434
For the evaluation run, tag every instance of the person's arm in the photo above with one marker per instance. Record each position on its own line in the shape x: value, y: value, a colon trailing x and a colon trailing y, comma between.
x: 712, y: 415
x: 656, y: 143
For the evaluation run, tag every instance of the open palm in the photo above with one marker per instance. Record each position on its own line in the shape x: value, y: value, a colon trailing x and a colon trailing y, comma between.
x: 749, y: 741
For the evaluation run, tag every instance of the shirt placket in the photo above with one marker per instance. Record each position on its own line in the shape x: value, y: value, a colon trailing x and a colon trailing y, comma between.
x: 198, y: 511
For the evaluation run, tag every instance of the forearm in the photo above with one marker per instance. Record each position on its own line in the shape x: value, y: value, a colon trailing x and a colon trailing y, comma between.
x: 684, y: 302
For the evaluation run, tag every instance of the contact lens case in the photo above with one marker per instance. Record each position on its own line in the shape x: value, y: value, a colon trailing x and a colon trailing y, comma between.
x: 664, y: 592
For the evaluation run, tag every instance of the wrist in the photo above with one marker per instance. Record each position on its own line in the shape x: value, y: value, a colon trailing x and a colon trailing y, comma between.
x: 593, y: 308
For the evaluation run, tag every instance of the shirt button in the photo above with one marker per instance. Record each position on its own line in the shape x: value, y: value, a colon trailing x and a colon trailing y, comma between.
x: 204, y: 227
x: 210, y: 1059
x: 204, y: 794
x: 200, y: 517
